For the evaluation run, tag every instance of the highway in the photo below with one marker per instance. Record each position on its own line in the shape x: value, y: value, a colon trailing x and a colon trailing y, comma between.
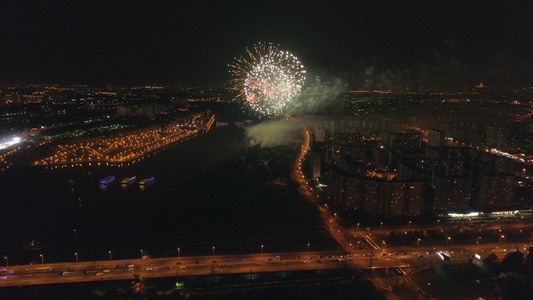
x: 54, y: 273
x: 410, y: 259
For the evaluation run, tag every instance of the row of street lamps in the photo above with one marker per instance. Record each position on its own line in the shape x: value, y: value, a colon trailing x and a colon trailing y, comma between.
x: 7, y: 259
x: 477, y: 240
x: 42, y: 258
x: 262, y: 249
x: 142, y: 254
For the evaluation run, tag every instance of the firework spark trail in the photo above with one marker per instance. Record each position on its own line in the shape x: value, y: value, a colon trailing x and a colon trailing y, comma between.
x: 268, y: 79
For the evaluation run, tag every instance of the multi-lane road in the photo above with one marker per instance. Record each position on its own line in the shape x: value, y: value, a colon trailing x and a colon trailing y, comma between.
x: 168, y: 267
x: 193, y: 266
x: 409, y: 259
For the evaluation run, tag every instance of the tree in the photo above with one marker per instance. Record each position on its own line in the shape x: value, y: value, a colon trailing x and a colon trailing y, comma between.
x: 489, y: 260
x: 513, y: 260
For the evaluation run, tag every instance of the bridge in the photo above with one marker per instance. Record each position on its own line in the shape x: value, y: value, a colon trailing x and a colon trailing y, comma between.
x: 86, y: 271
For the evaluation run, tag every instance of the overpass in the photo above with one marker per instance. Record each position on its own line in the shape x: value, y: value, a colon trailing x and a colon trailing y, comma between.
x: 87, y: 271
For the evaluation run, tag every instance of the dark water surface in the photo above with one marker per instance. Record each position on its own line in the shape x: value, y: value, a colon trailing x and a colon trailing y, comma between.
x: 332, y: 284
x: 201, y: 198
x: 67, y: 211
x: 209, y: 191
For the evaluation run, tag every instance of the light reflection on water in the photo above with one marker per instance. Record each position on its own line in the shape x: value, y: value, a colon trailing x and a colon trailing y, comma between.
x: 68, y: 211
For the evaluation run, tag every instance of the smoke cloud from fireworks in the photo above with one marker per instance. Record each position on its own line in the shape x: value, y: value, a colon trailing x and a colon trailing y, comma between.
x: 273, y: 133
x: 316, y: 95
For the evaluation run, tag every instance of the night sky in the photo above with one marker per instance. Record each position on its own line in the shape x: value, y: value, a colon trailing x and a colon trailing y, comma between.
x: 385, y: 43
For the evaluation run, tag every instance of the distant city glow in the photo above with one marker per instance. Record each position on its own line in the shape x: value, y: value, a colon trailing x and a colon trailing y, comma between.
x: 267, y: 79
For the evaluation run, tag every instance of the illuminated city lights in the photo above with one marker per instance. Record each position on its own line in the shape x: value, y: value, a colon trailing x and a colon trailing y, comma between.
x: 124, y: 148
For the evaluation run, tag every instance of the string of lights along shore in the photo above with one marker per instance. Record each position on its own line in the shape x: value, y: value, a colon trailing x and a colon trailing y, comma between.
x: 267, y: 79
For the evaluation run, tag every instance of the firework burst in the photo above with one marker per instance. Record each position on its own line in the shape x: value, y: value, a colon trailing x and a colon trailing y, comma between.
x: 267, y: 79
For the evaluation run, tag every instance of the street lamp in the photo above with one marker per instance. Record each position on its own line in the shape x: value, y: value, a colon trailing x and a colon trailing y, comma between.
x: 409, y: 224
x: 42, y: 259
x: 213, y: 250
x: 179, y: 252
x: 358, y: 242
x: 262, y: 249
x: 381, y: 225
x: 501, y: 237
x: 430, y: 290
x: 477, y: 240
x: 7, y: 261
x: 308, y: 247
x: 357, y: 228
x: 142, y: 253
x: 76, y: 254
x: 447, y: 240
x: 417, y: 242
x: 109, y: 254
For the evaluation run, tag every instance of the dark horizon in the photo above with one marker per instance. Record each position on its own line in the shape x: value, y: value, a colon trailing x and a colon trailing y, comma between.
x: 389, y: 44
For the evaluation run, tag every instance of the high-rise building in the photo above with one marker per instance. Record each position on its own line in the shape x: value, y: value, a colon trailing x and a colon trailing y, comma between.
x: 336, y: 187
x: 435, y: 138
x: 319, y: 133
x: 416, y: 191
x: 375, y: 196
x: 316, y: 162
x: 452, y: 193
x: 497, y: 190
x: 379, y: 156
x: 408, y: 140
x: 354, y: 150
x: 372, y: 199
x: 447, y: 152
x: 393, y: 198
x: 494, y: 136
x: 354, y: 192
x: 448, y: 128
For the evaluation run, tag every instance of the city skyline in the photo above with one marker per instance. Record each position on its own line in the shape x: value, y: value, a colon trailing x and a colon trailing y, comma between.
x: 111, y: 173
x: 379, y: 149
x: 383, y: 45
